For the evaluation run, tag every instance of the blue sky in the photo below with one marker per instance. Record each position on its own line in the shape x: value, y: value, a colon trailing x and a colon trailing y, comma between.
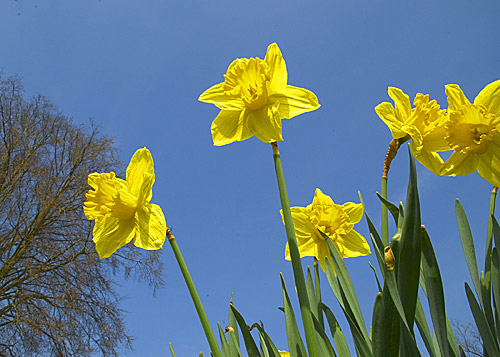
x: 138, y: 67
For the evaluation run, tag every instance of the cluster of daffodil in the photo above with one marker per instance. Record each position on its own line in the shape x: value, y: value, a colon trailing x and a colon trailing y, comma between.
x: 471, y: 130
x: 254, y: 98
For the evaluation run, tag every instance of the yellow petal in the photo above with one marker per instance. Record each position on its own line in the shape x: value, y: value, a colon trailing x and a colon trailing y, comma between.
x: 151, y: 228
x: 460, y: 164
x: 295, y: 101
x: 277, y: 66
x: 435, y: 140
x: 215, y: 95
x: 304, y: 229
x: 387, y: 113
x: 401, y: 103
x: 456, y: 98
x: 490, y: 97
x: 284, y: 354
x: 354, y: 211
x: 264, y: 123
x: 321, y: 199
x: 229, y: 127
x: 352, y: 244
x: 110, y: 234
x: 93, y: 177
x: 139, y: 170
x: 430, y: 160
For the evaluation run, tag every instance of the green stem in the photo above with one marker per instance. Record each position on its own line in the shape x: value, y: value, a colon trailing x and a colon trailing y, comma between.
x: 384, y: 213
x: 489, y: 234
x: 214, y: 347
x: 392, y: 150
x: 318, y: 292
x: 486, y: 296
x: 298, y: 273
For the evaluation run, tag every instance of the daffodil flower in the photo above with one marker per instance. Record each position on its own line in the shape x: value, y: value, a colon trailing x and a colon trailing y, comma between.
x: 336, y: 221
x: 473, y: 132
x: 254, y: 98
x: 121, y: 209
x: 423, y: 125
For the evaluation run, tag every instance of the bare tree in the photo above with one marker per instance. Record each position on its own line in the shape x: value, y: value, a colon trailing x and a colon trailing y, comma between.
x: 56, y: 296
x: 469, y: 338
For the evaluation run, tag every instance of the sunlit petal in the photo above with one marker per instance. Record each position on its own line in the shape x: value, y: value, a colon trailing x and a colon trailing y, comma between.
x: 215, y: 95
x: 354, y: 211
x: 110, y: 234
x: 460, y: 164
x: 456, y: 97
x: 151, y: 228
x: 490, y: 98
x: 295, y: 101
x: 277, y: 69
x: 387, y: 113
x: 264, y: 123
x: 228, y: 127
x: 352, y: 244
x: 401, y: 103
x: 140, y: 163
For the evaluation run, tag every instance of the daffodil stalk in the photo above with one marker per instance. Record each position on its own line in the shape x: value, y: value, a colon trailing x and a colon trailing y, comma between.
x: 214, y: 347
x: 389, y: 156
x: 489, y: 241
x: 298, y: 273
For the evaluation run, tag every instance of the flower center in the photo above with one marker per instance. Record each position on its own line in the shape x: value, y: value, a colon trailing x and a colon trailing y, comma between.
x: 247, y: 79
x: 111, y: 198
x: 470, y: 129
x: 330, y: 220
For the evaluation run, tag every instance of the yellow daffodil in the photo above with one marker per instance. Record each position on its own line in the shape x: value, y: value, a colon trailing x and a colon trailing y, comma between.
x: 423, y: 124
x: 254, y: 98
x: 336, y: 221
x: 473, y: 132
x: 121, y: 209
x: 284, y: 354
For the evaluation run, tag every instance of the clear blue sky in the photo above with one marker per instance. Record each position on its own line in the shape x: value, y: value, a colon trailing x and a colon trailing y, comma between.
x: 138, y: 67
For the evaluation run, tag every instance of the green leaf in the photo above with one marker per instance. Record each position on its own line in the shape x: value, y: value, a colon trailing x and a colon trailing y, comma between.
x: 269, y: 345
x: 223, y: 342
x: 391, y: 207
x: 451, y: 338
x: 171, y: 349
x: 325, y: 348
x: 489, y: 341
x: 318, y: 292
x: 462, y: 353
x: 295, y: 344
x: 375, y: 237
x: 495, y: 278
x: 346, y: 284
x: 391, y: 287
x: 233, y: 336
x: 311, y: 293
x: 435, y: 293
x: 378, y: 322
x: 421, y: 323
x: 336, y: 331
x: 408, y: 260
x: 496, y: 231
x: 376, y: 277
x: 363, y: 345
x: 468, y: 246
x: 250, y: 345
